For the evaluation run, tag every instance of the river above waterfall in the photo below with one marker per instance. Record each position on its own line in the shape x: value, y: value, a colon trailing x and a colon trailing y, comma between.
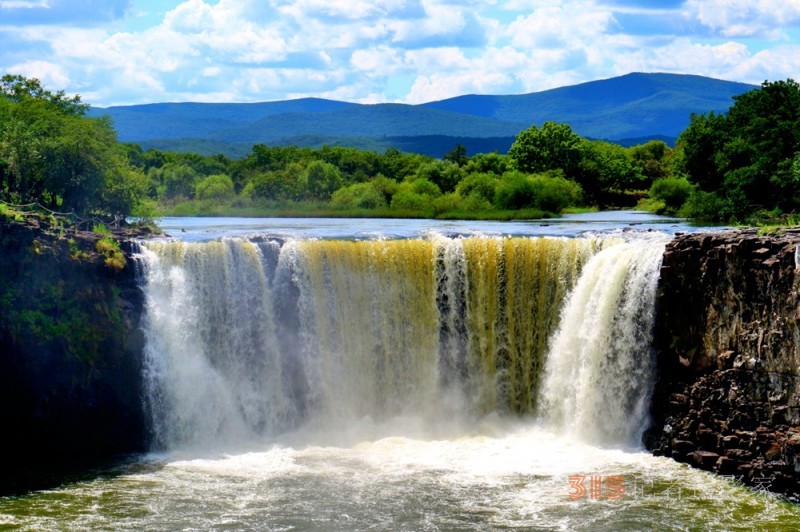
x: 197, y: 229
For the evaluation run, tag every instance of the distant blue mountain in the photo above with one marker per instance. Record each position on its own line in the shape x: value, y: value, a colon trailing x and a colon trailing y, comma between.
x: 635, y: 106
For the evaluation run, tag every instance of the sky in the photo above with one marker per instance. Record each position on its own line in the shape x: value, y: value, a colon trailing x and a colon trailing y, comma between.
x: 117, y: 52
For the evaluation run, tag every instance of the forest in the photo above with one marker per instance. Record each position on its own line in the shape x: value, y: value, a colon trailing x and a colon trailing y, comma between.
x: 733, y: 167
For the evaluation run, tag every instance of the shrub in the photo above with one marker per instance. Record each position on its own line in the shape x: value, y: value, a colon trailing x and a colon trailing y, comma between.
x: 362, y: 195
x: 110, y: 249
x: 672, y: 191
x: 405, y: 199
x: 423, y: 187
x: 548, y: 193
x: 101, y: 229
x: 481, y: 184
x: 704, y: 206
x: 447, y: 203
x: 217, y: 187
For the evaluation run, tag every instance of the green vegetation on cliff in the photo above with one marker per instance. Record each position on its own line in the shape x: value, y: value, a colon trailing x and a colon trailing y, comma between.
x: 51, y: 153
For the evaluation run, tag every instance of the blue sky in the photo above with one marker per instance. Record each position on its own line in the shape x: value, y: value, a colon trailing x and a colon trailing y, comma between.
x: 139, y: 51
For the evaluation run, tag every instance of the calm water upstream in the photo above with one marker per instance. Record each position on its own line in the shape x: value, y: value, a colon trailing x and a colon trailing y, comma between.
x: 323, y: 375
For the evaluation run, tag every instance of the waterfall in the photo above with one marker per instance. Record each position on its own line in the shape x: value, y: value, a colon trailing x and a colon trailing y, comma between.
x: 254, y: 337
x: 600, y: 369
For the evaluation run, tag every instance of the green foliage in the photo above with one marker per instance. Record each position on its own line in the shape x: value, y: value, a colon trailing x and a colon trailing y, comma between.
x: 216, y: 187
x: 322, y: 180
x: 553, y: 146
x: 481, y: 185
x: 175, y: 181
x: 114, y: 257
x: 18, y: 89
x: 652, y: 160
x: 605, y: 169
x: 52, y: 154
x: 672, y: 192
x: 746, y: 157
x: 444, y: 174
x: 457, y: 155
x: 101, y: 229
x: 358, y: 195
x: 705, y: 207
x: 488, y: 163
x: 550, y: 193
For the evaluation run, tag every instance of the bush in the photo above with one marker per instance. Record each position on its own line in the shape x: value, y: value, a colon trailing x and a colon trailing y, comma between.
x: 704, y: 206
x: 548, y: 193
x: 444, y: 174
x: 362, y: 195
x: 387, y: 187
x: 218, y: 188
x: 447, y: 203
x: 405, y: 199
x: 672, y: 191
x: 423, y: 187
x: 110, y: 249
x: 481, y: 184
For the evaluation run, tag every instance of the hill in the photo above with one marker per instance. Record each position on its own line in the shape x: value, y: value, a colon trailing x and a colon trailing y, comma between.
x: 635, y: 106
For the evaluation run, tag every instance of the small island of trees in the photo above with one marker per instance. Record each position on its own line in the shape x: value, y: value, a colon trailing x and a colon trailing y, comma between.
x: 728, y: 167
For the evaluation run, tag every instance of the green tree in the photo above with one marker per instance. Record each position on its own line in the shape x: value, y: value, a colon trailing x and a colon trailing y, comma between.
x: 178, y: 181
x: 553, y: 146
x: 745, y: 158
x: 605, y: 171
x: 51, y: 153
x: 217, y: 188
x: 457, y: 155
x: 322, y: 179
x: 444, y: 174
x: 17, y: 89
x: 652, y: 160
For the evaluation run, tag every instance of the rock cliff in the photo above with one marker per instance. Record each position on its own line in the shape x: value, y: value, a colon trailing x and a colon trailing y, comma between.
x: 728, y: 392
x: 70, y: 352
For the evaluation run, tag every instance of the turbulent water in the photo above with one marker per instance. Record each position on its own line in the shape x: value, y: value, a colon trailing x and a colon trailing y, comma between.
x: 429, y: 383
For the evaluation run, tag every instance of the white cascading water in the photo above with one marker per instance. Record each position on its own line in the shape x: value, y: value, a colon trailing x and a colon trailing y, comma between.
x: 600, y: 368
x: 212, y: 358
x: 251, y: 338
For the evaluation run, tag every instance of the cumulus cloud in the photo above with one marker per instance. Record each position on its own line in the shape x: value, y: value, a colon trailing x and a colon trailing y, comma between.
x: 744, y: 18
x: 385, y: 50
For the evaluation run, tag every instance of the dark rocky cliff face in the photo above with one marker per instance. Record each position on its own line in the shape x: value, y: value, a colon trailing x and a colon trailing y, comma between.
x: 728, y: 394
x: 70, y: 354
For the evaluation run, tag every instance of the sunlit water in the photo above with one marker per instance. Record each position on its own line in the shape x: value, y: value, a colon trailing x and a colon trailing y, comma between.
x: 444, y: 464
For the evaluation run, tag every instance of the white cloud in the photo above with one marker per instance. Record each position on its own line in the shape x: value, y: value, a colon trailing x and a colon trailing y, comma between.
x: 743, y: 18
x: 401, y: 50
x: 50, y: 74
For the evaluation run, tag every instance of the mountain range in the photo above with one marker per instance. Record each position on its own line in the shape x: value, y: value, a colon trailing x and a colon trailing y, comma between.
x: 629, y: 109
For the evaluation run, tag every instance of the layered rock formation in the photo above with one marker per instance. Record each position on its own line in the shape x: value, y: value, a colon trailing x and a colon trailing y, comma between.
x: 728, y: 393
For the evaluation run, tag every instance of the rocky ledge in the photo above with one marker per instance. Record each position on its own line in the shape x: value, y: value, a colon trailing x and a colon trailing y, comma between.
x: 70, y: 351
x: 728, y: 395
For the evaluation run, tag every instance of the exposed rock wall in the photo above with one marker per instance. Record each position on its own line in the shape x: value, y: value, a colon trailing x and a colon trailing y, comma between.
x: 728, y: 394
x: 70, y: 354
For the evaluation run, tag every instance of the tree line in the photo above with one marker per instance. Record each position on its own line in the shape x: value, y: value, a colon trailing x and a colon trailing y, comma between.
x: 724, y: 167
